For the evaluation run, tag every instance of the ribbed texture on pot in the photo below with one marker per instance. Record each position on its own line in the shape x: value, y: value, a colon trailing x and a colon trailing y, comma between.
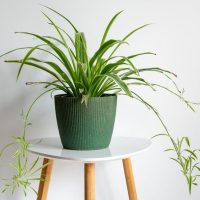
x: 85, y: 128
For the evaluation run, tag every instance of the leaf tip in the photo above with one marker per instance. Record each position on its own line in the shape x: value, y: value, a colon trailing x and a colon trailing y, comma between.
x: 121, y: 11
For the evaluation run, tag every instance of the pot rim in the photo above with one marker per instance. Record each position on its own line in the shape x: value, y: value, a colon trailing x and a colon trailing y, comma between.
x: 70, y: 97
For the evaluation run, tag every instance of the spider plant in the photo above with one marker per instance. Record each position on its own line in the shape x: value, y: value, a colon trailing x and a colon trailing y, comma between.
x: 78, y: 74
x: 26, y: 170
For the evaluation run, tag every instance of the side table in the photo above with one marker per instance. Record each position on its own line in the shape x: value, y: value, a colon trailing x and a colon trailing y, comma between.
x: 121, y: 148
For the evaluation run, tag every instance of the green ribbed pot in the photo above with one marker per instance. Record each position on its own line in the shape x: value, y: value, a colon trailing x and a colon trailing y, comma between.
x: 85, y: 128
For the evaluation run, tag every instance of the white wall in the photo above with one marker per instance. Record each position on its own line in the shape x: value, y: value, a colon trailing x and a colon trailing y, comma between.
x: 174, y: 37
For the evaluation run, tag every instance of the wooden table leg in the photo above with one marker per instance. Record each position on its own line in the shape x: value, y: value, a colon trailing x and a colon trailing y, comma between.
x: 129, y: 179
x: 89, y: 173
x: 45, y: 175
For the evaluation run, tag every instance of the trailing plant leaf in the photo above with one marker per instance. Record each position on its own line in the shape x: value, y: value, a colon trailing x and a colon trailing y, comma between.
x: 26, y: 171
x: 188, y: 161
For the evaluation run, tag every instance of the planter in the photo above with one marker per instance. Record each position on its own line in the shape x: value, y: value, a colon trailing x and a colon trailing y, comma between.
x: 84, y: 127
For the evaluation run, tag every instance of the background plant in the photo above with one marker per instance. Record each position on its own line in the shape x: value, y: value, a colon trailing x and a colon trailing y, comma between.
x: 77, y: 74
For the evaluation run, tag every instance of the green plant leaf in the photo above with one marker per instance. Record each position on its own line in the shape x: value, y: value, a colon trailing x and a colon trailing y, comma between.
x: 59, y: 52
x: 126, y: 37
x: 62, y: 38
x: 22, y: 48
x: 25, y: 59
x: 158, y: 135
x: 84, y: 78
x: 47, y: 84
x: 57, y: 69
x: 40, y: 67
x: 109, y: 26
x: 81, y: 50
x: 187, y: 141
x: 119, y: 82
x: 75, y: 29
x: 191, y: 152
x: 70, y: 38
x: 103, y: 48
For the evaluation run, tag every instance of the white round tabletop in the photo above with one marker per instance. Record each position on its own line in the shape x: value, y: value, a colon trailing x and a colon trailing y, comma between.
x: 120, y: 148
